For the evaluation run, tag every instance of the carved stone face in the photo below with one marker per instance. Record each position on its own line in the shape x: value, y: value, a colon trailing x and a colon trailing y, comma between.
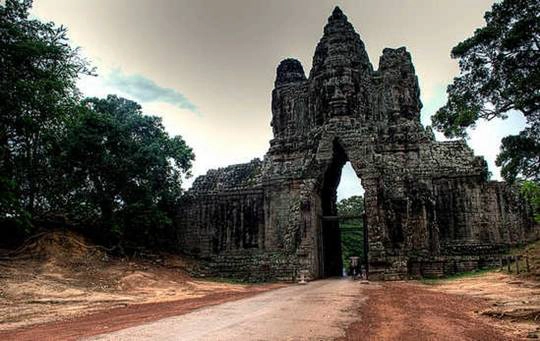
x: 338, y: 95
x: 342, y: 96
x: 401, y: 91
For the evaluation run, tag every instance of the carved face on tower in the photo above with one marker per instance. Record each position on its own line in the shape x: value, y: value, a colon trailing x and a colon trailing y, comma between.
x: 341, y: 70
x: 401, y: 93
x: 342, y: 82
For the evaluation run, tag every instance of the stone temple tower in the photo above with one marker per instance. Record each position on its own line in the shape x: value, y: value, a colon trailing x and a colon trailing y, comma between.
x: 429, y: 207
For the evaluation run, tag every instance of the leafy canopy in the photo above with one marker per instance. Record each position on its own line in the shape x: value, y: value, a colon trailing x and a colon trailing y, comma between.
x: 520, y: 155
x: 500, y: 76
x: 94, y: 163
x: 500, y: 69
x: 123, y: 165
x: 38, y: 73
x: 352, y: 206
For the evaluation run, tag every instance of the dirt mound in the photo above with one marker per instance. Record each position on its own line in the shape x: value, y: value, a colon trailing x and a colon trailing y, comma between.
x: 138, y: 280
x: 59, y: 274
x: 64, y: 245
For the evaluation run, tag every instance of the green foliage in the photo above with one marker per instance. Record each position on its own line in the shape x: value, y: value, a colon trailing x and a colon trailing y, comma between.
x: 352, y: 239
x: 531, y: 191
x: 122, y: 169
x: 500, y: 76
x: 352, y: 229
x: 37, y: 90
x: 520, y: 155
x: 500, y: 69
x: 96, y: 163
x: 352, y: 206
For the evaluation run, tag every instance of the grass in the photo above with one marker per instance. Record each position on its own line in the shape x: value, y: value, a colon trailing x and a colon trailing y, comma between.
x: 532, y: 250
x: 460, y: 275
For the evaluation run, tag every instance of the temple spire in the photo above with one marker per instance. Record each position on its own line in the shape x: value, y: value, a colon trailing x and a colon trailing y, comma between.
x: 340, y: 45
x: 337, y: 22
x: 337, y: 14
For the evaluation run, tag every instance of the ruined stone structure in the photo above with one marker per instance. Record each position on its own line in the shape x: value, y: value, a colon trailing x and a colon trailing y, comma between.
x: 430, y: 209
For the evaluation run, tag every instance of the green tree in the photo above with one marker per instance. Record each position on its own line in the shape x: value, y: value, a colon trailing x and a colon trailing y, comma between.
x: 531, y: 191
x: 500, y: 76
x: 123, y: 171
x: 352, y: 206
x: 351, y: 227
x: 520, y: 155
x: 37, y: 90
x: 97, y: 162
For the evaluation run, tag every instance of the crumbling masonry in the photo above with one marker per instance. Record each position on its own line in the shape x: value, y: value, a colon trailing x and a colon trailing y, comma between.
x: 430, y: 209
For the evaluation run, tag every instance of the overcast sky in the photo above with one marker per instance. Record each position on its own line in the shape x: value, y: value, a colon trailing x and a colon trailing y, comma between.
x: 208, y: 67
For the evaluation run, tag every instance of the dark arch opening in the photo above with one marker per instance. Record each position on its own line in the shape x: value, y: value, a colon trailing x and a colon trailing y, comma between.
x: 342, y: 226
x: 331, y: 251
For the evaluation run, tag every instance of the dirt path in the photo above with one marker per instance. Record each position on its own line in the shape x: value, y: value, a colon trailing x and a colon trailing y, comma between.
x: 322, y: 310
x: 120, y: 318
x: 410, y: 311
x: 332, y: 309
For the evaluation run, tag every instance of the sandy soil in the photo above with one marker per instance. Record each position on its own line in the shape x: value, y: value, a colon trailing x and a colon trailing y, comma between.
x: 66, y: 278
x: 484, y: 307
x: 70, y: 289
x: 509, y: 298
x: 409, y: 311
x: 110, y: 320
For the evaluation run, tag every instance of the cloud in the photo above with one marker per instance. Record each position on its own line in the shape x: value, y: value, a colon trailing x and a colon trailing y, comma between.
x: 146, y: 90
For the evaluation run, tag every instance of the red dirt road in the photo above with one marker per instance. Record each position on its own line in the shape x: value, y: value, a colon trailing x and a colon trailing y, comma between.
x: 120, y: 318
x: 409, y: 311
x: 377, y: 311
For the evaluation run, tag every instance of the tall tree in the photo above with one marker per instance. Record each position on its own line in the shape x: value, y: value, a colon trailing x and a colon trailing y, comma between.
x: 123, y: 170
x: 500, y: 76
x: 37, y: 90
x: 96, y: 162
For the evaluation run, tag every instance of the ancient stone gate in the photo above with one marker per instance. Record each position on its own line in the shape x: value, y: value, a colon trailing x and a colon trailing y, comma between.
x: 429, y: 205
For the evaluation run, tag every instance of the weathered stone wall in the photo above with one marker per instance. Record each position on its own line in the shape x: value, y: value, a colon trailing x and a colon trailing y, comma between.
x: 430, y: 208
x: 481, y: 215
x: 223, y: 212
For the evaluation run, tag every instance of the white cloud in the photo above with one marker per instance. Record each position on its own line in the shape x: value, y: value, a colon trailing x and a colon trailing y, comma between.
x: 146, y: 90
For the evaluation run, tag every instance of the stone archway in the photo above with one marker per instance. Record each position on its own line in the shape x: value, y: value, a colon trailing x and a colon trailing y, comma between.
x: 430, y: 207
x: 330, y: 235
x: 330, y: 241
x: 335, y: 148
